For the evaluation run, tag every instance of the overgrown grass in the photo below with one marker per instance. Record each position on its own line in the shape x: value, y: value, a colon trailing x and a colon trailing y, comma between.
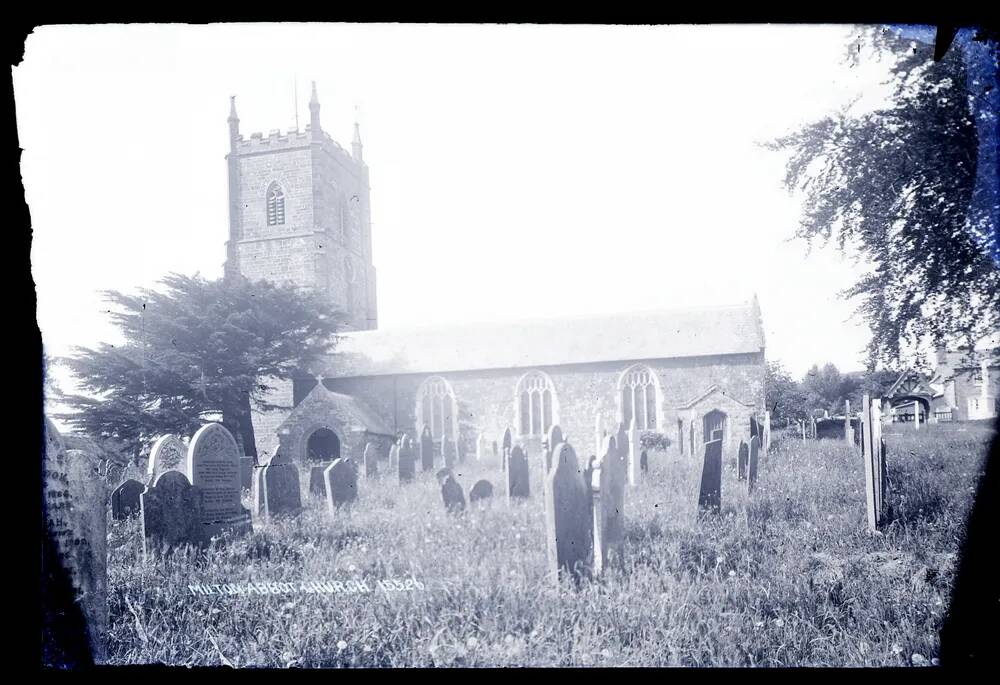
x: 789, y: 577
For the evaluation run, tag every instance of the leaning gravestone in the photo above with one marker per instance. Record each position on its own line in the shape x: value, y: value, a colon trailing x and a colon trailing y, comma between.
x: 483, y: 489
x: 276, y: 488
x: 608, y: 491
x: 172, y: 514
x: 752, y: 463
x: 341, y: 484
x: 517, y: 474
x: 451, y: 493
x: 407, y: 461
x: 710, y: 495
x: 426, y: 450
x: 167, y: 454
x: 370, y: 459
x: 213, y: 462
x: 742, y: 461
x: 568, y: 523
x: 76, y: 525
x: 125, y: 499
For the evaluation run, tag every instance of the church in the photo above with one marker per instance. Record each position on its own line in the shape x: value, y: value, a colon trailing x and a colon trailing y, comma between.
x: 299, y: 213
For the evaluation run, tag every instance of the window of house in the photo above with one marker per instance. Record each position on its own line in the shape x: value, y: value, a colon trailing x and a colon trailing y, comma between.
x: 535, y: 404
x: 275, y: 205
x: 639, y: 394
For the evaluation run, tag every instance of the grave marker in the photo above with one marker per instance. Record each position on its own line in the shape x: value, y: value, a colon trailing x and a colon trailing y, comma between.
x: 394, y: 456
x: 213, y: 461
x: 317, y: 486
x: 167, y: 454
x: 608, y: 477
x: 125, y: 500
x: 451, y: 493
x: 172, y: 514
x: 341, y: 479
x: 742, y: 461
x: 517, y: 474
x: 506, y: 447
x: 568, y: 519
x: 370, y: 459
x: 752, y: 463
x: 483, y: 489
x: 710, y: 494
x: 633, y: 454
x: 407, y: 461
x: 874, y: 460
x: 276, y: 488
x: 426, y: 450
x: 766, y: 445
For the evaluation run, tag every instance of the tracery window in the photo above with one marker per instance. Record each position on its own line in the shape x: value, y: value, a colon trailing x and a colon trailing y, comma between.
x: 536, y: 400
x: 436, y: 407
x: 639, y: 393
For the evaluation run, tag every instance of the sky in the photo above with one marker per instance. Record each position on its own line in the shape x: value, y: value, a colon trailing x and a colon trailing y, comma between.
x: 516, y: 171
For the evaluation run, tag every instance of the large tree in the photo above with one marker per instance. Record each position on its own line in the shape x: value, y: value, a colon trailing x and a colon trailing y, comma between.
x: 911, y: 188
x: 193, y: 350
x: 782, y: 395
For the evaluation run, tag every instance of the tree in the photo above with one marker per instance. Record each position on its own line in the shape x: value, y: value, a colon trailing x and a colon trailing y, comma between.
x: 826, y: 389
x: 782, y: 395
x: 194, y: 350
x: 911, y: 187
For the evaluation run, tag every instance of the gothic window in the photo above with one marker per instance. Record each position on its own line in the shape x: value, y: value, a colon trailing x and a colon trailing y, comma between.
x: 639, y: 395
x: 275, y: 205
x: 536, y: 400
x: 436, y: 407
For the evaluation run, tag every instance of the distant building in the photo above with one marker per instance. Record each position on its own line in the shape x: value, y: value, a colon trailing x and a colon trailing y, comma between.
x: 966, y: 383
x: 299, y: 213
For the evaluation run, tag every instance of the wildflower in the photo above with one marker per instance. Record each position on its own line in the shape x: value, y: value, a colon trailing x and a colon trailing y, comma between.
x: 368, y: 648
x: 778, y: 622
x: 471, y: 643
x: 732, y: 573
x: 918, y: 659
x: 341, y: 646
x: 896, y: 649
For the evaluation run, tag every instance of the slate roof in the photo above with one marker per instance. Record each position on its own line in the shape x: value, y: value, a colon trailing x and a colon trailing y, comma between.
x: 341, y: 406
x: 660, y: 334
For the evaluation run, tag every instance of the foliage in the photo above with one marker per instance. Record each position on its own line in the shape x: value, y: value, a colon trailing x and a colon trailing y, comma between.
x: 194, y: 350
x: 782, y: 395
x: 651, y: 440
x: 911, y: 188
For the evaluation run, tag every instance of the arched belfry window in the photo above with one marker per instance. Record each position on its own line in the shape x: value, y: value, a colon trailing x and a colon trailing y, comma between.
x: 436, y: 408
x: 537, y: 405
x: 275, y: 205
x: 639, y: 395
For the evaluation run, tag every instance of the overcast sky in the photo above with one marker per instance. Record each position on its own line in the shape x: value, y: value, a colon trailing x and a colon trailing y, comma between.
x: 516, y: 171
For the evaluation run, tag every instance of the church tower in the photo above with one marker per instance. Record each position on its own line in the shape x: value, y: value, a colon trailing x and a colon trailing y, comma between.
x: 299, y: 213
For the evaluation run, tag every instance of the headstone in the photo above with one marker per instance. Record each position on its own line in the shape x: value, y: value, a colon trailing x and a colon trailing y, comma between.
x: 167, y: 454
x: 644, y: 462
x: 553, y: 440
x: 517, y: 474
x: 76, y: 526
x: 407, y: 461
x: 213, y: 461
x: 451, y: 493
x: 483, y: 489
x: 341, y: 480
x: 568, y: 519
x: 276, y: 488
x: 608, y: 490
x: 766, y: 445
x: 370, y: 459
x: 317, y: 485
x: 394, y: 457
x: 633, y: 454
x: 752, y: 463
x: 246, y: 473
x: 125, y: 499
x: 871, y: 439
x: 916, y: 415
x: 426, y: 450
x: 742, y: 461
x: 848, y: 431
x: 480, y: 450
x: 710, y: 494
x: 506, y: 447
x: 449, y: 452
x: 172, y: 514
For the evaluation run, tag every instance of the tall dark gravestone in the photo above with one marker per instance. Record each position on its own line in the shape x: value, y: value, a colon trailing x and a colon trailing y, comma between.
x: 754, y: 455
x: 426, y: 450
x: 276, y: 488
x: 407, y: 461
x: 125, y: 499
x: 172, y: 514
x: 710, y: 494
x: 341, y: 479
x: 518, y: 474
x: 568, y: 518
x: 742, y: 461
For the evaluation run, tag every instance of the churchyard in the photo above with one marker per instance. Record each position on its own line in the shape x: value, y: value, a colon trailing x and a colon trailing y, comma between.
x: 786, y: 574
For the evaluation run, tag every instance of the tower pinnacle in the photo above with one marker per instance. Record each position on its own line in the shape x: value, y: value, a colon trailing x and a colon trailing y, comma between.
x: 314, y: 111
x: 356, y: 143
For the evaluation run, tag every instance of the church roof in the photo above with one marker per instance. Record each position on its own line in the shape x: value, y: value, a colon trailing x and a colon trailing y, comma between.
x: 660, y: 334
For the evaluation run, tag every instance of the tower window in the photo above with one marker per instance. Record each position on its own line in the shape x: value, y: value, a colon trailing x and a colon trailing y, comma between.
x: 275, y: 205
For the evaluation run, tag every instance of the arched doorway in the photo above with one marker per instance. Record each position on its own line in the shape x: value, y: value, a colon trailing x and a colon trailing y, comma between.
x: 715, y: 425
x: 323, y: 446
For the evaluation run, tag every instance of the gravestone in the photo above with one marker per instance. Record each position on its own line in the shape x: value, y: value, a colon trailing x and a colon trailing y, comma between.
x: 317, y: 486
x: 633, y: 454
x: 341, y: 479
x: 276, y: 488
x: 517, y: 474
x: 76, y: 526
x: 554, y: 438
x: 407, y: 461
x: 752, y: 463
x: 167, y: 454
x: 480, y: 449
x: 125, y: 500
x: 448, y: 452
x: 608, y: 492
x: 213, y: 462
x: 710, y: 494
x: 172, y: 514
x: 370, y: 459
x: 483, y: 489
x: 568, y: 520
x: 426, y: 450
x: 451, y: 493
x: 874, y: 462
x: 742, y: 461
x: 644, y: 462
x: 394, y: 457
x: 505, y: 448
x: 765, y: 444
x: 246, y: 473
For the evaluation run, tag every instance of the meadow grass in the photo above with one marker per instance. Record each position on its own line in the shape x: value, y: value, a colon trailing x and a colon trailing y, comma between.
x: 787, y: 577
